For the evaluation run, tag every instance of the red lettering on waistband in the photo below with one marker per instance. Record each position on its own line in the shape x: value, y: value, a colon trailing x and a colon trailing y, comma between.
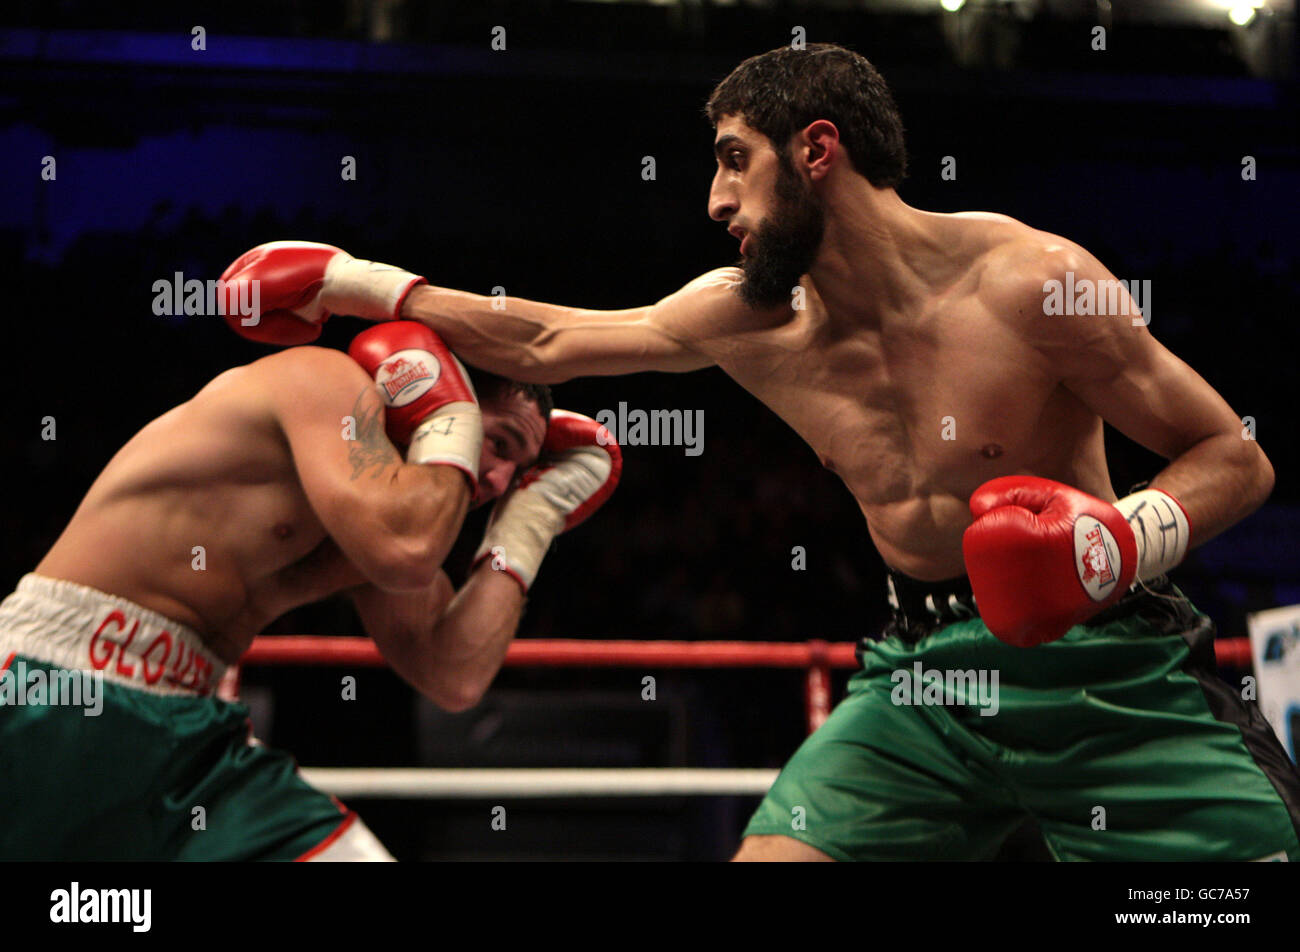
x: 202, y: 671
x: 178, y: 672
x: 121, y: 654
x: 168, y: 658
x: 165, y: 639
x: 120, y: 620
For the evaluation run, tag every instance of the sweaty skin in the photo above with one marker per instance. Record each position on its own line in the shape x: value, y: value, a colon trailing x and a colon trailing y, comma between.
x: 914, y: 327
x: 257, y: 471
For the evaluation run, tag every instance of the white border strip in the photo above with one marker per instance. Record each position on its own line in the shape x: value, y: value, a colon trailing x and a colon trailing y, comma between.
x: 479, y: 783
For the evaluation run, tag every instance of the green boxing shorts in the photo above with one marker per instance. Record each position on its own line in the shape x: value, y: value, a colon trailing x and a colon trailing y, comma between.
x: 115, y: 746
x: 1119, y: 740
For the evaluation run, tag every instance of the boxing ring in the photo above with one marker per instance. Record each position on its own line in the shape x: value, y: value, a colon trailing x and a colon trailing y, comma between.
x: 816, y: 658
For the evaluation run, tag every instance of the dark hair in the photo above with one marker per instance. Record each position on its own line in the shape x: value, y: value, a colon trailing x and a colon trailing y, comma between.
x: 491, y: 387
x: 782, y: 91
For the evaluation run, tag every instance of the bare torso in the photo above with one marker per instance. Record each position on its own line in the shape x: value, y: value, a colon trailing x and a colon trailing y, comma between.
x: 201, y: 517
x: 914, y: 410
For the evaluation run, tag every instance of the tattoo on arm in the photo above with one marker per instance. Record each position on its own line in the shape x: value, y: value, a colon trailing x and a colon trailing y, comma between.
x: 371, y: 452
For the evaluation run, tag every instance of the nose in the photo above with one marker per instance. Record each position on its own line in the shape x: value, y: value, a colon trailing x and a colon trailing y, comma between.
x: 495, y: 480
x: 722, y: 202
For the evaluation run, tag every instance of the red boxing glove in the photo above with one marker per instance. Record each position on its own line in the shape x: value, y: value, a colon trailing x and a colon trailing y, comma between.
x: 1043, y: 557
x: 571, y: 439
x: 299, y: 284
x: 430, y: 404
x: 579, y: 468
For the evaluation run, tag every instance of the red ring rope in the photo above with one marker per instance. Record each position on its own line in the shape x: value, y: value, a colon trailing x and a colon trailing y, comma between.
x: 816, y: 658
x: 564, y: 652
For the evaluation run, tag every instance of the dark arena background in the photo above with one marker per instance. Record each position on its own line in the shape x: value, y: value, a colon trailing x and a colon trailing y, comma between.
x: 1171, y: 154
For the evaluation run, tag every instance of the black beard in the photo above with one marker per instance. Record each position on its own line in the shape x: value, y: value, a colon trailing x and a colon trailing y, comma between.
x: 786, y: 242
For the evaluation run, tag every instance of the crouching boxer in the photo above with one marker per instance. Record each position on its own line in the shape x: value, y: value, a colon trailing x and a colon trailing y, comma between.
x: 278, y: 484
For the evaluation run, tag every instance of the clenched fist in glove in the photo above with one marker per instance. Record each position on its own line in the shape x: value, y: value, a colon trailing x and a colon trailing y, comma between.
x: 430, y: 408
x: 301, y: 283
x: 1043, y: 556
x: 579, y: 467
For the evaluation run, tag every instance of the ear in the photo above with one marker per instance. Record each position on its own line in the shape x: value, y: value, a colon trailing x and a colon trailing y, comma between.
x: 819, y: 143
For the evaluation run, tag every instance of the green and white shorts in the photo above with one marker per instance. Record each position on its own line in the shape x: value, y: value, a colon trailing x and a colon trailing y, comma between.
x: 115, y: 746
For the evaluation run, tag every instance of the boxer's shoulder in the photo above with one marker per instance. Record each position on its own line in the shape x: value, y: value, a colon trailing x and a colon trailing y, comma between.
x: 1014, y: 273
x: 303, y: 373
x: 323, y: 363
x: 710, y: 307
x: 712, y: 294
x: 298, y: 383
x: 719, y: 279
x: 288, y: 366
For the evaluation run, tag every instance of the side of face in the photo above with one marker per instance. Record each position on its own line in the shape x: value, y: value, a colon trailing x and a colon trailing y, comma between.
x: 744, y: 185
x: 513, y: 431
x: 775, y: 213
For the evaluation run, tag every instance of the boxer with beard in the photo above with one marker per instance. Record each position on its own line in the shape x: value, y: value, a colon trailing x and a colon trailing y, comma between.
x: 920, y: 356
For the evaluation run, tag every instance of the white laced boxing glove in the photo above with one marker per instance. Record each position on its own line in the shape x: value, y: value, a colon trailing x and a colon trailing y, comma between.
x: 1160, y: 528
x: 580, y: 465
x: 301, y: 283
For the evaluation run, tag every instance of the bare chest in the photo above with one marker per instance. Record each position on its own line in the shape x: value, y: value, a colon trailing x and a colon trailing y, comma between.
x: 938, y: 407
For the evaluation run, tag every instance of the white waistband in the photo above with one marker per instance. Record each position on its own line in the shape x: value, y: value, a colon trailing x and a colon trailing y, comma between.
x: 72, y: 626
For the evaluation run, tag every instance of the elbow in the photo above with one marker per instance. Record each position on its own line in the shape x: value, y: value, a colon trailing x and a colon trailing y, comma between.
x: 457, y: 702
x: 456, y: 688
x: 457, y: 696
x: 1253, y: 474
x: 1265, y: 478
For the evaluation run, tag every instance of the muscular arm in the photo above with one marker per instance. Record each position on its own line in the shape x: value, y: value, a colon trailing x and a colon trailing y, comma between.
x: 1121, y: 372
x: 395, y: 522
x: 447, y: 645
x: 548, y: 343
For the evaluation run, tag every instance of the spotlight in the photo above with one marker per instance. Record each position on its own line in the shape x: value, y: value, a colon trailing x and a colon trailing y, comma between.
x: 1242, y: 13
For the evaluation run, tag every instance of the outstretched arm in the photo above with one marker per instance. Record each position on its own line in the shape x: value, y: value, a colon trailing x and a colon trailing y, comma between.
x: 550, y: 343
x: 297, y: 285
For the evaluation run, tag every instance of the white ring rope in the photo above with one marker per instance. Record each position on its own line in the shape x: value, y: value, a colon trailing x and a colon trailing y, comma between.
x: 535, y: 782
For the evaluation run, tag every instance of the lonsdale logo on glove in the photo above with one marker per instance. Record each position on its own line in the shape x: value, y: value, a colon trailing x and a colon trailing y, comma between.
x: 430, y: 407
x: 407, y: 376
x: 1098, y: 556
x: 1043, y: 556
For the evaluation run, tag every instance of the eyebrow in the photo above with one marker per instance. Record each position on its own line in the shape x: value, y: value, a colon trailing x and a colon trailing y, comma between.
x: 514, y: 433
x: 726, y: 142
